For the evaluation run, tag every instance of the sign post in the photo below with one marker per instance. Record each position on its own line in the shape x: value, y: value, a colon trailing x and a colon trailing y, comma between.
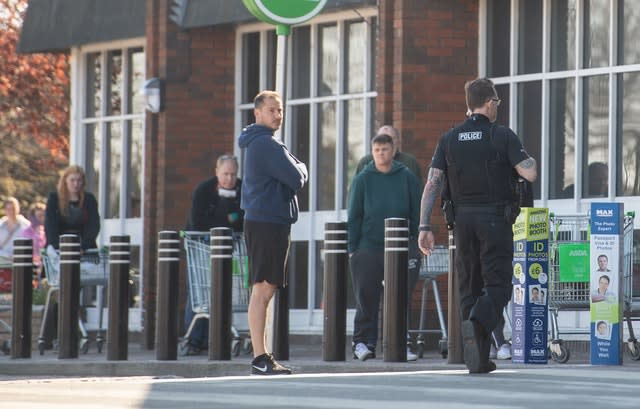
x: 607, y: 230
x: 530, y: 286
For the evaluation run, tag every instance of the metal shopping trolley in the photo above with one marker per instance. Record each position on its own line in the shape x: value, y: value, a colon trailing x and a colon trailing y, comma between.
x: 631, y: 293
x: 94, y: 264
x: 196, y: 245
x: 574, y: 295
x: 432, y: 266
x: 5, y: 328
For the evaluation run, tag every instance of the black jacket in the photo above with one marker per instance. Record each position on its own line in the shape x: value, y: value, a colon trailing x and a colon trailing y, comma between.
x: 209, y: 210
x: 56, y: 224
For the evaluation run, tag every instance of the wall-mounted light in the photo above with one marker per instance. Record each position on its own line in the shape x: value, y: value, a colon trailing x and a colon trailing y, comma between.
x: 153, y: 91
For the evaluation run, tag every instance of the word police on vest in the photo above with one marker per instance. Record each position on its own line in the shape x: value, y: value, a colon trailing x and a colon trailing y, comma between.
x: 469, y: 136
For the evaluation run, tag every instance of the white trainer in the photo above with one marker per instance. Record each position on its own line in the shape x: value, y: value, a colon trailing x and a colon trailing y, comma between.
x: 411, y: 356
x: 493, y: 352
x: 504, y: 352
x: 362, y: 352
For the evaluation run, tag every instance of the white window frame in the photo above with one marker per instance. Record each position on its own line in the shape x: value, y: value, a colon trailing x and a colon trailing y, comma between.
x: 122, y: 225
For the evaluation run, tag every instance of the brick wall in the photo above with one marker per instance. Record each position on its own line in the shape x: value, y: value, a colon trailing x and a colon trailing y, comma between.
x: 195, y: 127
x: 426, y: 50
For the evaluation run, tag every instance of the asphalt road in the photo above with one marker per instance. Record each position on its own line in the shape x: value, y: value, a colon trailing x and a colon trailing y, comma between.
x: 583, y: 387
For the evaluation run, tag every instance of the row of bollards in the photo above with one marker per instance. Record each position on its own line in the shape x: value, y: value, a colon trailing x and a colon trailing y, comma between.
x: 69, y: 297
x: 396, y: 254
x: 220, y: 301
x: 220, y: 326
x: 396, y: 258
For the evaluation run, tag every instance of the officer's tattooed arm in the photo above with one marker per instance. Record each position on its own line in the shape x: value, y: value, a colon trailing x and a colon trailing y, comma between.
x: 435, y: 181
x: 527, y: 169
x: 431, y: 192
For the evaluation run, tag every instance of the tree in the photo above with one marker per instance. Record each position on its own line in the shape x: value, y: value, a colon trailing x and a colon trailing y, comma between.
x: 34, y: 112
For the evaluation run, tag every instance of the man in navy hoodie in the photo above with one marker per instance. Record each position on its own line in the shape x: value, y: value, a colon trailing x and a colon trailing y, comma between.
x: 271, y: 178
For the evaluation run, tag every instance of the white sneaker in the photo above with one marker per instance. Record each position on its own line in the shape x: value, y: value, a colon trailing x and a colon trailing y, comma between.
x: 504, y: 352
x: 411, y: 356
x: 362, y: 352
x: 493, y: 352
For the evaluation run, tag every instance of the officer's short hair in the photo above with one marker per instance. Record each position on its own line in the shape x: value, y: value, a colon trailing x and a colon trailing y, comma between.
x: 382, y: 139
x: 478, y: 92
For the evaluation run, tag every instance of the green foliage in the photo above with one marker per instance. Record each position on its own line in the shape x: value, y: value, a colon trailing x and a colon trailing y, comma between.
x: 39, y: 296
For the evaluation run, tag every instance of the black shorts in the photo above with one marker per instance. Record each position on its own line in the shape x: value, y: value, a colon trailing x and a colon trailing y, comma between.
x: 268, y: 250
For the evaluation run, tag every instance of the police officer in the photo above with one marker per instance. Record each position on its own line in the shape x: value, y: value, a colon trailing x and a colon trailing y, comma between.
x: 476, y: 162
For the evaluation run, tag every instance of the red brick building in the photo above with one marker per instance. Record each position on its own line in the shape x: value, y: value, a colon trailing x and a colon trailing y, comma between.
x: 358, y: 65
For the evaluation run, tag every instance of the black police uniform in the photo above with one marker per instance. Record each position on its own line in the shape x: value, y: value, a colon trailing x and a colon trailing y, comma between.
x: 478, y: 159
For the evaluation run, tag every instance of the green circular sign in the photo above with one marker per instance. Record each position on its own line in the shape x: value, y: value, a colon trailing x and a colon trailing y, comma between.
x: 287, y: 12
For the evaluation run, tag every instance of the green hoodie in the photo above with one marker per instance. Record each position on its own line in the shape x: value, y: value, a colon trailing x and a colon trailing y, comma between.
x: 376, y: 196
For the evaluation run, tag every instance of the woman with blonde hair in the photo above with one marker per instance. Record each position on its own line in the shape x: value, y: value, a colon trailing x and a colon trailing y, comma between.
x: 72, y: 210
x: 12, y: 224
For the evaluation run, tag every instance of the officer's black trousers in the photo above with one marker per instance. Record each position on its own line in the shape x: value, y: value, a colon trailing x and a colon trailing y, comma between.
x: 484, y: 255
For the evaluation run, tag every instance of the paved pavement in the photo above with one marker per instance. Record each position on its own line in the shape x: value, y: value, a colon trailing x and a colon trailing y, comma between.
x: 534, y: 387
x: 305, y: 358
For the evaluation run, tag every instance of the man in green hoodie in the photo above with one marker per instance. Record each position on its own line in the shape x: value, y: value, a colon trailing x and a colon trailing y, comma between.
x: 385, y: 188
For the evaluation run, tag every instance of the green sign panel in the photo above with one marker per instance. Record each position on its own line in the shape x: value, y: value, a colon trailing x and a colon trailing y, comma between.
x: 284, y: 12
x: 574, y: 262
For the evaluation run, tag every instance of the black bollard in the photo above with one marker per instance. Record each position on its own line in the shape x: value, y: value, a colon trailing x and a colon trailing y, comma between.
x: 334, y: 299
x: 396, y: 270
x: 167, y: 296
x: 118, y: 329
x: 220, y: 308
x: 455, y: 350
x: 281, y: 324
x: 21, y: 290
x: 69, y: 299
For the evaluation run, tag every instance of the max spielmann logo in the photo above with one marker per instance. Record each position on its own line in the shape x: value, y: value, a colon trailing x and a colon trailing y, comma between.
x: 604, y: 212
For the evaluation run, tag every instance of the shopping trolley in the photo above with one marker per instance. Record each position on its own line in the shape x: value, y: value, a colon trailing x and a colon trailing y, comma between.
x: 5, y: 328
x: 196, y: 245
x: 631, y: 295
x: 432, y: 266
x: 575, y: 295
x: 94, y: 264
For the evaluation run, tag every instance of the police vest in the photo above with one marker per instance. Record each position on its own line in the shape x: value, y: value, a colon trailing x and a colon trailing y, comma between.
x: 478, y: 170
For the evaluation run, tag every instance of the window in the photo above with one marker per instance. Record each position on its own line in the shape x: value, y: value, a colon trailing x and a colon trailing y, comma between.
x: 567, y: 72
x: 570, y: 92
x: 107, y: 139
x: 329, y: 117
x: 113, y: 129
x: 563, y: 35
x: 530, y: 37
x: 498, y: 38
x: 562, y: 150
x: 629, y: 28
x: 627, y: 126
x: 595, y: 136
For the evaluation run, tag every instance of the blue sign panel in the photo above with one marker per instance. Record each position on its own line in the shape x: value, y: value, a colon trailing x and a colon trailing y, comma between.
x: 606, y: 283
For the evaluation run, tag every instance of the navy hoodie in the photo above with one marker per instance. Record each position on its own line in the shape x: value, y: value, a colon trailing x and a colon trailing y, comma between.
x: 271, y: 177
